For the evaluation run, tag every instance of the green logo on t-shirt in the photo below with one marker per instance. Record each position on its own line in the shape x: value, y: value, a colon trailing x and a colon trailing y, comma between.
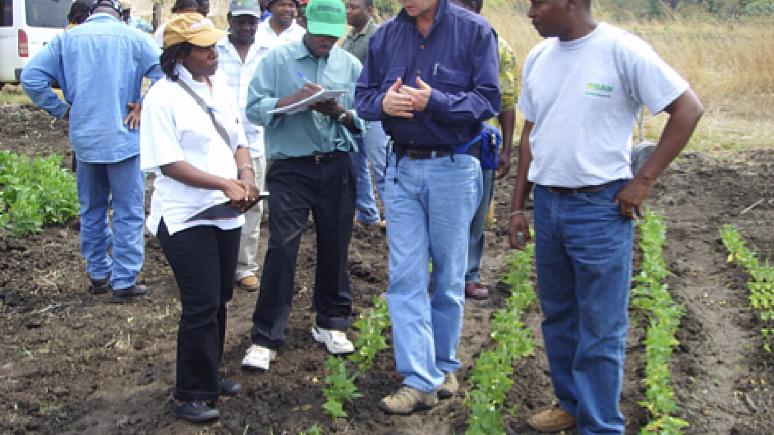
x: 599, y: 90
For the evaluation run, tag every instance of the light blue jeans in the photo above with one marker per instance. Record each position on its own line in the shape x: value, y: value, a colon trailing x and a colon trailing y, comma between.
x: 122, y: 186
x: 373, y: 148
x: 584, y: 267
x: 476, y: 242
x: 429, y: 205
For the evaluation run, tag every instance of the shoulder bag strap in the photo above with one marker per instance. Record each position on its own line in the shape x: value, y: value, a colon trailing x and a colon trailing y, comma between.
x: 208, y: 110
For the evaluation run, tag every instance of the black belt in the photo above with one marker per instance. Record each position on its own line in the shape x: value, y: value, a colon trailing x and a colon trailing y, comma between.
x: 320, y: 158
x: 576, y: 190
x: 424, y: 153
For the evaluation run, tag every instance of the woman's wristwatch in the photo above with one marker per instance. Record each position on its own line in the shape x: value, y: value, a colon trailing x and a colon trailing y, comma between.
x: 245, y: 167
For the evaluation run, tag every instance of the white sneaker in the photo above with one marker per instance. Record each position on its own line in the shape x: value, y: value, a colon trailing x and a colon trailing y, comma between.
x: 335, y: 341
x: 258, y: 358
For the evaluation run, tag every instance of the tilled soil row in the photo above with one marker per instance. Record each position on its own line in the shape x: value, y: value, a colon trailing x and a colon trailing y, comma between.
x: 71, y: 362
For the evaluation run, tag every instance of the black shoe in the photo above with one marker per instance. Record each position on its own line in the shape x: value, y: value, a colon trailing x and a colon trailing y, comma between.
x: 227, y: 387
x: 196, y: 411
x: 128, y: 294
x: 98, y: 286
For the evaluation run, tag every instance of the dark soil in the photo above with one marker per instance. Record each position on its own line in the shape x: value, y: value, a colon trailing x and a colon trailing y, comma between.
x: 71, y: 362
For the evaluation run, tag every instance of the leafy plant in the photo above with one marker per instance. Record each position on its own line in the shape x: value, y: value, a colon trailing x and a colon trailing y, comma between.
x: 339, y: 387
x: 491, y: 375
x: 652, y: 296
x: 34, y: 193
x: 370, y: 338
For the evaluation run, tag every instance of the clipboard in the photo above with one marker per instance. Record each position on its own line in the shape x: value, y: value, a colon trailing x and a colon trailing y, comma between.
x: 219, y: 211
x: 304, y: 104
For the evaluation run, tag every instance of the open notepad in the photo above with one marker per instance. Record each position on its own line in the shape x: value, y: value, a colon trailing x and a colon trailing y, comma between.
x: 219, y: 211
x: 304, y: 104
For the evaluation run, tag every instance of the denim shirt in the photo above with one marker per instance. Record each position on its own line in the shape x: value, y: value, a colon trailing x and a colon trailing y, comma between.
x: 100, y: 66
x: 281, y: 73
x: 458, y: 60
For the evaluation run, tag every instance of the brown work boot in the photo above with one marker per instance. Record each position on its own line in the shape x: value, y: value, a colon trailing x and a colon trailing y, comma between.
x: 249, y: 283
x: 449, y: 388
x: 551, y: 420
x: 407, y: 400
x: 476, y: 290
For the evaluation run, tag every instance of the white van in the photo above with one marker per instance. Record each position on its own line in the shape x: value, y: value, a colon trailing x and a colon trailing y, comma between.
x: 25, y: 27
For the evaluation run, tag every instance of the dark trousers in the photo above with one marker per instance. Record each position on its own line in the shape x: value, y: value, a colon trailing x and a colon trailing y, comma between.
x: 204, y: 260
x: 297, y: 186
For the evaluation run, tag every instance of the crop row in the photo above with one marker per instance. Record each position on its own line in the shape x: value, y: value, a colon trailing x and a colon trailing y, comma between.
x: 761, y: 283
x: 491, y: 375
x: 652, y: 296
x: 340, y: 385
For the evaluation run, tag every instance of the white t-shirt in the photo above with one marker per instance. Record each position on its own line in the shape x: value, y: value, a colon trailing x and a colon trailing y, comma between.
x: 174, y: 128
x: 583, y: 118
x: 266, y: 38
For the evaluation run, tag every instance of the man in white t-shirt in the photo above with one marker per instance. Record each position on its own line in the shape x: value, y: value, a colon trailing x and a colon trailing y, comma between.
x: 583, y: 87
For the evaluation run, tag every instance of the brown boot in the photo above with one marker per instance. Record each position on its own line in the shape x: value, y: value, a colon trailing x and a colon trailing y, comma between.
x: 449, y: 388
x: 407, y: 400
x: 249, y: 283
x: 475, y: 290
x: 551, y: 420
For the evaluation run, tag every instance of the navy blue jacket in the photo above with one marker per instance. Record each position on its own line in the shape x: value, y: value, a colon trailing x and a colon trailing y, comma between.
x: 458, y: 59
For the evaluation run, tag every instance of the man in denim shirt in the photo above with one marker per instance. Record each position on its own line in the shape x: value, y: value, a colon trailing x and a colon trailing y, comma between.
x: 100, y: 66
x: 431, y: 77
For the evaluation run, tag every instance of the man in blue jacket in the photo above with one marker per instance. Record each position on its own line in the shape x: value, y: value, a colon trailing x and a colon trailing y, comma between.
x: 431, y: 77
x: 100, y: 66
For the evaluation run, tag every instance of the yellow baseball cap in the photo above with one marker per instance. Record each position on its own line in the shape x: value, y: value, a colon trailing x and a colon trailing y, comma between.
x: 193, y: 28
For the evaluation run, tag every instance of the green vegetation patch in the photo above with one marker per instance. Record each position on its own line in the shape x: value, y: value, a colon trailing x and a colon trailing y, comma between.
x: 35, y: 193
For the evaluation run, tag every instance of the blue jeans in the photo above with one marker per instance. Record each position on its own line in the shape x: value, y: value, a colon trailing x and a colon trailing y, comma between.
x: 584, y: 267
x: 365, y: 202
x: 429, y: 205
x: 373, y: 148
x: 476, y: 242
x: 122, y: 186
x: 375, y: 141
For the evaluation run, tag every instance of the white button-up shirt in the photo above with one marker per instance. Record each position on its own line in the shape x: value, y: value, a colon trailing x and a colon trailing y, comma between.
x: 174, y: 128
x: 239, y: 75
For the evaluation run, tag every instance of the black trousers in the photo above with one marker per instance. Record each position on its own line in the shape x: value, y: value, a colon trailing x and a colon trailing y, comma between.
x: 203, y: 259
x: 327, y: 188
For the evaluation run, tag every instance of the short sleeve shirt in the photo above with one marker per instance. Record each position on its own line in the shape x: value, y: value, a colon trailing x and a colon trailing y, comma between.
x: 583, y: 97
x: 174, y: 128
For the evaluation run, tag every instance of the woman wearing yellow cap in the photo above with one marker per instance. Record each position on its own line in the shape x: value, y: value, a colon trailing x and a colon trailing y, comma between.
x: 192, y: 140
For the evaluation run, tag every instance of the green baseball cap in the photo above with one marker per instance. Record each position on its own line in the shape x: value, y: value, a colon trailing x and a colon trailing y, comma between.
x: 326, y: 17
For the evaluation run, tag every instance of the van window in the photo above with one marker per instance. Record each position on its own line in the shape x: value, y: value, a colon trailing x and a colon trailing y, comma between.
x: 47, y: 13
x: 6, y: 13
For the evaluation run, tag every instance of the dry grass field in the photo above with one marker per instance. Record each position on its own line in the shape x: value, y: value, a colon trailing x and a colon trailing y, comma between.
x: 728, y: 63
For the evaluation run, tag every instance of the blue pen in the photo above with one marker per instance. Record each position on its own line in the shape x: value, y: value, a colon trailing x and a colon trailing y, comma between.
x: 302, y: 77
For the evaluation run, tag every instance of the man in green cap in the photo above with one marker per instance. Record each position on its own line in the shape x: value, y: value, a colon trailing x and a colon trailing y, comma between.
x: 310, y: 171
